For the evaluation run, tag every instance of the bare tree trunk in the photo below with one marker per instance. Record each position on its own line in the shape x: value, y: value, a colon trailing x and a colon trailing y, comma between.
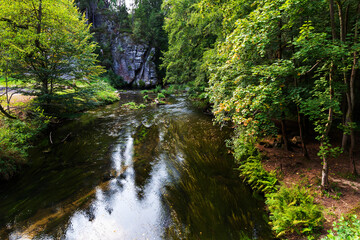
x: 7, y: 93
x: 332, y: 19
x: 303, y: 146
x: 283, y: 132
x: 325, y: 174
x: 350, y: 97
x: 325, y: 169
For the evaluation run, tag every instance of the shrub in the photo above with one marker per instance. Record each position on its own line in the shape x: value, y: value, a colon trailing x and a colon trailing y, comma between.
x: 293, y: 209
x: 345, y: 229
x: 157, y: 89
x: 257, y: 177
x: 133, y: 105
x: 167, y: 92
x: 15, y: 139
x: 160, y: 95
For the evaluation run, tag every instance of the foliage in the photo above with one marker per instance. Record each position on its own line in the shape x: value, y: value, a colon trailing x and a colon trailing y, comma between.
x: 157, y: 89
x: 75, y: 100
x: 148, y: 21
x: 48, y: 42
x: 114, y: 80
x: 345, y: 229
x: 257, y: 177
x: 134, y: 106
x: 160, y: 95
x: 15, y: 139
x: 293, y: 209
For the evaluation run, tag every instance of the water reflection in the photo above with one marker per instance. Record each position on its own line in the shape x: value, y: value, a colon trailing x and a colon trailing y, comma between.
x: 208, y: 201
x: 146, y: 140
x: 158, y: 173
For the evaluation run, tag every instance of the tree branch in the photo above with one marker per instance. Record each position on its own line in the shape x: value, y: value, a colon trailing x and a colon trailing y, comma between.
x: 14, y: 23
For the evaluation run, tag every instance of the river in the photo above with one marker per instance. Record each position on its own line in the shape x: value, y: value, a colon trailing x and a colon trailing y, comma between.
x: 162, y: 172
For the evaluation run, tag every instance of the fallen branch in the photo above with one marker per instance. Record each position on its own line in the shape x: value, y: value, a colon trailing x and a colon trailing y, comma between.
x: 66, y: 137
x: 50, y: 138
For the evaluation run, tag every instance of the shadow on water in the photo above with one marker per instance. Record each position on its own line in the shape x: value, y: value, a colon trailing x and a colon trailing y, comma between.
x: 157, y: 173
x: 206, y: 198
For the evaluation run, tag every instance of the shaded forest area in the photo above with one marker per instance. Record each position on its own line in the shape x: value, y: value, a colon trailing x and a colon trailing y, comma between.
x: 277, y: 70
x: 274, y: 70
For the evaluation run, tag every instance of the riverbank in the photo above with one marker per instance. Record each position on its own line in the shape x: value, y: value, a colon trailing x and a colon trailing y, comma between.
x: 17, y: 135
x: 343, y: 198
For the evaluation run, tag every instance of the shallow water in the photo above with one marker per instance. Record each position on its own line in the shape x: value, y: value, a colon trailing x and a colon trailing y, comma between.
x: 157, y: 173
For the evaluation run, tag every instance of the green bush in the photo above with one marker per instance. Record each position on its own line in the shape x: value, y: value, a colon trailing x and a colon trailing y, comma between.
x: 257, y: 177
x: 168, y: 91
x: 133, y: 106
x: 293, y: 209
x: 114, y: 80
x: 15, y: 139
x: 160, y: 95
x: 157, y: 89
x: 345, y: 229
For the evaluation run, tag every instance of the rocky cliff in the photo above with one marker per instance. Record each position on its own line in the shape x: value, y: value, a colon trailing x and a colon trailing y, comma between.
x: 134, y: 62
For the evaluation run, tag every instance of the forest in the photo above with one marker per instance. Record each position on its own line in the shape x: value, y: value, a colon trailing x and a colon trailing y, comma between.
x: 283, y: 75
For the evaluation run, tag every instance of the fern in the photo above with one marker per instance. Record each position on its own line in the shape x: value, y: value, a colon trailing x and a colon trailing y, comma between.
x: 257, y: 177
x: 293, y: 209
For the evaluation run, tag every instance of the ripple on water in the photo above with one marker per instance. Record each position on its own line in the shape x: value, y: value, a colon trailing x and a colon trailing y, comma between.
x: 148, y: 174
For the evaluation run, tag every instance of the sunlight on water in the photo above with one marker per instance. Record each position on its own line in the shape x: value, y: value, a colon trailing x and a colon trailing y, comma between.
x: 117, y: 213
x: 158, y: 173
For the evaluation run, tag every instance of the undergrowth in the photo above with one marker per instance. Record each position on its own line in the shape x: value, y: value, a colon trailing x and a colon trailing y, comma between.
x: 291, y: 209
x: 345, y: 229
x: 15, y: 139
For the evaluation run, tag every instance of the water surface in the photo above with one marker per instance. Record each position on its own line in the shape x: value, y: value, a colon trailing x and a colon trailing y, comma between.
x: 158, y: 173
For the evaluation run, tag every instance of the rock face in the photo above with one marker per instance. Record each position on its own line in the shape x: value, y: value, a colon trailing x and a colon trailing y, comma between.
x: 134, y: 62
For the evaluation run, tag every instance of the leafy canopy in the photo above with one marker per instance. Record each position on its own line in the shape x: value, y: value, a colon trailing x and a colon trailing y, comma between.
x: 48, y: 42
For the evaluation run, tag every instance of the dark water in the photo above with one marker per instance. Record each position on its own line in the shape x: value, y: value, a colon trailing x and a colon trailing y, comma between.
x: 156, y: 173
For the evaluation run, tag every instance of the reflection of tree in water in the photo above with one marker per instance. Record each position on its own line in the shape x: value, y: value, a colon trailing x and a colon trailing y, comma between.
x: 208, y: 201
x: 146, y: 141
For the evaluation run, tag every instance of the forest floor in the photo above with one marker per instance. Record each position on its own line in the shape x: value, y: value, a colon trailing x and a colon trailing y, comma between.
x: 292, y: 167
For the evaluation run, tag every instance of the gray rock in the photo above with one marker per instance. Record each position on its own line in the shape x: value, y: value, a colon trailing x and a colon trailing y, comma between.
x: 134, y: 62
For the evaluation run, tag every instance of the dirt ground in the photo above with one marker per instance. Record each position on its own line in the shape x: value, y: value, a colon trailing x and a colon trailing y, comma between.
x: 344, y: 196
x: 18, y: 103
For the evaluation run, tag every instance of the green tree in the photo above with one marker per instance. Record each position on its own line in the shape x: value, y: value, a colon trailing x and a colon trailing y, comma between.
x: 148, y: 21
x: 49, y: 43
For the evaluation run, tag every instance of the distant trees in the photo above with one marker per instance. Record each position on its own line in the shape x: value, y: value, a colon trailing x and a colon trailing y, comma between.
x: 48, y: 43
x: 262, y: 60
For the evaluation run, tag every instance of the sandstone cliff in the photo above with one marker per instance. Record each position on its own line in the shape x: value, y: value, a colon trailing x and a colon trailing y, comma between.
x: 134, y: 62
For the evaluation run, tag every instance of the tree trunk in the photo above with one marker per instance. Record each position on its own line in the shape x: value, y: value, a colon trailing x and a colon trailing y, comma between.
x: 303, y: 145
x: 7, y: 93
x: 2, y: 110
x: 325, y: 174
x: 283, y: 132
x: 332, y: 19
x: 350, y: 97
x: 325, y: 169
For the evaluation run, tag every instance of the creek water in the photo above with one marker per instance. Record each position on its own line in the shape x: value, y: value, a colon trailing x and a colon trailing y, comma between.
x: 162, y: 172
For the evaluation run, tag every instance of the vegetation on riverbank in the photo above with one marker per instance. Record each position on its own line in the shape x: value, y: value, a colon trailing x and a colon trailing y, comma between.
x: 264, y: 63
x: 17, y: 135
x: 58, y: 68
